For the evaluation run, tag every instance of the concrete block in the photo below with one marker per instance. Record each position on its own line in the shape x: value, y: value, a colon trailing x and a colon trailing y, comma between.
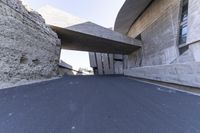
x: 106, y: 65
x: 93, y: 60
x: 118, y: 56
x: 111, y: 62
x: 99, y: 63
x: 118, y: 67
x: 195, y: 48
x: 183, y: 74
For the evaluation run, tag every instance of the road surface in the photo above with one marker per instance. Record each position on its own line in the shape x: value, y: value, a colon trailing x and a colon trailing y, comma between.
x: 97, y: 104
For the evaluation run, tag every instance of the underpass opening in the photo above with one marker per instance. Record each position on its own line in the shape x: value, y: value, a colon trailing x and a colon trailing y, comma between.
x: 107, y: 49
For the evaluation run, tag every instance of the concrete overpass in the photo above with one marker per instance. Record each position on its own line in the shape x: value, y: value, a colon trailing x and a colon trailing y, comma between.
x: 94, y: 38
x: 79, y: 34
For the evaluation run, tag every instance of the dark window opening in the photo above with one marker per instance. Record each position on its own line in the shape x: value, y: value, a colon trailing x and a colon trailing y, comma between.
x: 118, y: 59
x: 183, y: 27
x: 95, y: 69
x: 139, y: 37
x: 183, y: 34
x: 183, y: 49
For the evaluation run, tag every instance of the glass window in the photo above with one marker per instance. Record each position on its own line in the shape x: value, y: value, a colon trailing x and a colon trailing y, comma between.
x: 182, y: 39
x: 184, y: 15
x: 183, y: 34
x: 183, y: 31
x: 183, y: 27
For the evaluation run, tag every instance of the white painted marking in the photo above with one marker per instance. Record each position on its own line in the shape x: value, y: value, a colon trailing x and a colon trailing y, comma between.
x: 73, y: 128
x: 168, y: 87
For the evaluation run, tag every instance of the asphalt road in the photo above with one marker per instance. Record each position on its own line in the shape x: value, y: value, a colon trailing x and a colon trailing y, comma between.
x: 97, y: 104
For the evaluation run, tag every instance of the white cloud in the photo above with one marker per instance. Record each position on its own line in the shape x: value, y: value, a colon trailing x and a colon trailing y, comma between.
x: 26, y: 4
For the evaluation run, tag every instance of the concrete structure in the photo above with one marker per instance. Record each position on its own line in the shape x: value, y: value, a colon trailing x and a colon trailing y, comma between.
x: 169, y: 31
x: 157, y: 39
x: 29, y: 48
x: 106, y: 63
x: 79, y: 34
x: 91, y: 37
x: 129, y: 13
x: 65, y: 69
x: 170, y: 34
x: 94, y: 38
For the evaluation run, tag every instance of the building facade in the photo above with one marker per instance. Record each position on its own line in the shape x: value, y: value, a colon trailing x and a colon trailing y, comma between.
x: 170, y: 36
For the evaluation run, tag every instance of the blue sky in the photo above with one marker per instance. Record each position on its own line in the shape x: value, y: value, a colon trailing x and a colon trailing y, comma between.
x: 102, y: 12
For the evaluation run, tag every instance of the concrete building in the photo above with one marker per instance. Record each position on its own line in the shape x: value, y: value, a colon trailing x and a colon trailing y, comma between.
x: 170, y: 34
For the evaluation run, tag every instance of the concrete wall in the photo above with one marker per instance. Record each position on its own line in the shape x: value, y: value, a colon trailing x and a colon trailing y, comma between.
x: 184, y: 74
x: 29, y: 49
x: 105, y: 64
x: 193, y: 38
x: 158, y: 26
x: 101, y: 63
x: 193, y: 21
x: 159, y: 29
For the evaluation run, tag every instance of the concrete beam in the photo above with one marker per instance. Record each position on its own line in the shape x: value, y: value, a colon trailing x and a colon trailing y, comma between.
x: 79, y: 34
x: 94, y: 38
x: 184, y: 74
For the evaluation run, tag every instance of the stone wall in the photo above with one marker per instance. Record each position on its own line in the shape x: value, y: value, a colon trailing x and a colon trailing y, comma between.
x: 29, y: 49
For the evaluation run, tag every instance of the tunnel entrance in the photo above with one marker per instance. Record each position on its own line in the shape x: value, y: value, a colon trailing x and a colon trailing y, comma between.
x: 107, y: 49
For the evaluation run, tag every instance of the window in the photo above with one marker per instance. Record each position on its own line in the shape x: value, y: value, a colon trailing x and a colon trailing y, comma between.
x: 183, y: 27
x: 183, y: 35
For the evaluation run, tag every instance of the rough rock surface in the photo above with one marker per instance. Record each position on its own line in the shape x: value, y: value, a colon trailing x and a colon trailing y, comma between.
x: 29, y: 48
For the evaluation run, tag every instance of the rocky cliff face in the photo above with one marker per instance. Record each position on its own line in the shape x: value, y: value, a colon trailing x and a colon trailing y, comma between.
x: 29, y: 49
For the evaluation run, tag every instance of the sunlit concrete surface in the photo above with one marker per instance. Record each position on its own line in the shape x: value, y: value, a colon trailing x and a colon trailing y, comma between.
x: 129, y: 12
